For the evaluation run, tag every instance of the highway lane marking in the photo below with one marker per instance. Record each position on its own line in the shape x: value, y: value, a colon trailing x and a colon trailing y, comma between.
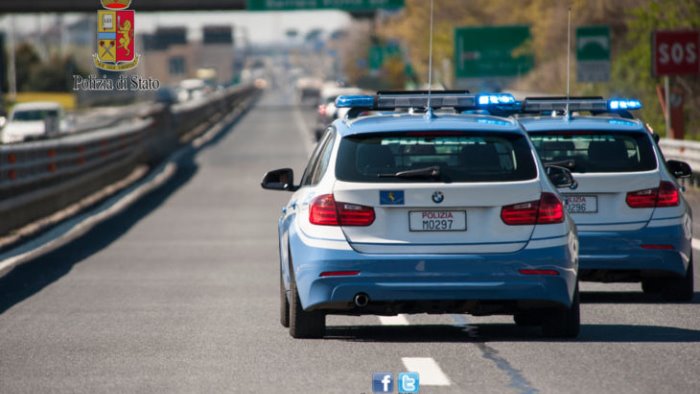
x: 696, y: 243
x: 428, y: 369
x: 74, y: 230
x: 398, y: 320
x: 302, y: 128
x: 78, y: 226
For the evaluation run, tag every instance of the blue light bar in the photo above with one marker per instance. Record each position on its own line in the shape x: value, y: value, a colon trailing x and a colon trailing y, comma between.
x: 485, y: 99
x: 355, y: 101
x: 618, y: 104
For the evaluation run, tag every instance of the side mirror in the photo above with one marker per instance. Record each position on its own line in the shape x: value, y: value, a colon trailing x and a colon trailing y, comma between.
x: 282, y: 179
x: 561, y: 177
x: 679, y: 169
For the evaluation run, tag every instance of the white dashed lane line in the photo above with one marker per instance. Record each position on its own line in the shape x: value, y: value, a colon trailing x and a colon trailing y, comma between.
x: 428, y: 370
x: 398, y: 320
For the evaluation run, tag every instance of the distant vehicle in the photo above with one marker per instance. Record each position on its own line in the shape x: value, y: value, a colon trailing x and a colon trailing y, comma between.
x: 192, y: 89
x: 633, y: 221
x: 426, y: 213
x: 35, y: 120
x: 309, y: 90
x: 327, y: 111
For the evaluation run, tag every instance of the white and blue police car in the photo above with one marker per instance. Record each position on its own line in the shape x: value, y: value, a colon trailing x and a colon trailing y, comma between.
x: 633, y: 222
x: 406, y: 210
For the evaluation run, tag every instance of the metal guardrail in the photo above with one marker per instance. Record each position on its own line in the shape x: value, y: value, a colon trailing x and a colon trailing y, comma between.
x: 687, y: 151
x: 41, y: 177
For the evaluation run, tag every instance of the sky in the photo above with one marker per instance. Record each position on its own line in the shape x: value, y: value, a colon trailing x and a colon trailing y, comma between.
x: 262, y: 27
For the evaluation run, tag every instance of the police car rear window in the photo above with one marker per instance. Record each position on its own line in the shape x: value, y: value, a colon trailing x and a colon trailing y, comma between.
x: 458, y: 157
x: 597, y: 151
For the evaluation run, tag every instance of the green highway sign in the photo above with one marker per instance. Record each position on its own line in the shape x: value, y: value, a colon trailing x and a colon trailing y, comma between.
x: 593, y: 53
x: 346, y: 5
x: 502, y: 51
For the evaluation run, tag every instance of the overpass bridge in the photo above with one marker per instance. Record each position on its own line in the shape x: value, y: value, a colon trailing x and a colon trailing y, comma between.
x: 24, y: 6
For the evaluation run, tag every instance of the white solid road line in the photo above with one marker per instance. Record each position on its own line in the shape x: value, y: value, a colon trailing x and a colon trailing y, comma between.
x: 429, y: 371
x: 78, y: 229
x: 398, y: 320
x: 696, y: 243
x: 303, y: 130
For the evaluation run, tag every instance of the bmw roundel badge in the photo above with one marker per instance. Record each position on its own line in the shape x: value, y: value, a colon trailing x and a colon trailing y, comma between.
x: 438, y: 197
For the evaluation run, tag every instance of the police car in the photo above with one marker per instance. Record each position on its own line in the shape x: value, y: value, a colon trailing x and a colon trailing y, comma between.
x: 633, y: 222
x: 407, y: 210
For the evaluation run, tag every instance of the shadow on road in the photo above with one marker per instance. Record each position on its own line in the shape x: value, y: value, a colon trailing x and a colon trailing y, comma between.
x: 629, y: 297
x: 613, y: 333
x: 31, y: 277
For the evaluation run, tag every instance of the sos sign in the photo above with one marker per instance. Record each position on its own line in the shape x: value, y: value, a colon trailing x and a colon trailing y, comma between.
x: 676, y: 52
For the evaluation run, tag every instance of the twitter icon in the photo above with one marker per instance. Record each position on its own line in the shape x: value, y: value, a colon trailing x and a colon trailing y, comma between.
x: 409, y: 382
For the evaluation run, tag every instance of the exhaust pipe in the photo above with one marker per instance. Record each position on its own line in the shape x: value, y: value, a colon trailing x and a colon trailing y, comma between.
x: 361, y: 300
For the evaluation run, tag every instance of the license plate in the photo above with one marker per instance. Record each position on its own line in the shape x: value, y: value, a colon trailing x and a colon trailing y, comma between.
x: 581, y: 204
x: 437, y: 221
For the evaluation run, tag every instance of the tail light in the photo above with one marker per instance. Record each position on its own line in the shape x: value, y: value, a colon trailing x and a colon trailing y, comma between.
x: 666, y: 195
x: 547, y: 210
x: 325, y: 211
x: 322, y: 110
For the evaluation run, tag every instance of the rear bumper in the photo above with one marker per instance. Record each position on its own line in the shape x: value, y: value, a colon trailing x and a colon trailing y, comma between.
x: 400, y: 279
x: 623, y: 252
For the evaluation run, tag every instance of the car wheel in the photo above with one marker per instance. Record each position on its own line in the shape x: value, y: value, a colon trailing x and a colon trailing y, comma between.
x: 303, y: 324
x: 525, y: 319
x: 652, y: 286
x: 563, y: 323
x: 680, y: 289
x: 284, y: 304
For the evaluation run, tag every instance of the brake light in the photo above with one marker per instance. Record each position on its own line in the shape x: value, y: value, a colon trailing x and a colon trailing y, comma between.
x: 322, y: 110
x: 547, y: 210
x: 666, y: 195
x: 325, y: 211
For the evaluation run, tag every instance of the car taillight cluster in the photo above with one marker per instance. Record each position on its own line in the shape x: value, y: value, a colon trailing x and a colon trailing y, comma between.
x: 325, y: 211
x: 666, y: 195
x: 547, y: 210
x: 322, y: 110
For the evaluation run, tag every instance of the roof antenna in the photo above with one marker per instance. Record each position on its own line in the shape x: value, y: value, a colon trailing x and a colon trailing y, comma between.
x: 429, y: 110
x: 567, y: 114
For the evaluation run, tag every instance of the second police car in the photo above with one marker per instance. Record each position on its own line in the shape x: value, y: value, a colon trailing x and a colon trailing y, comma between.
x: 633, y: 222
x: 425, y: 212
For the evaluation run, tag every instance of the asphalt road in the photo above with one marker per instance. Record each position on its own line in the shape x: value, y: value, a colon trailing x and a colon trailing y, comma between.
x: 180, y: 294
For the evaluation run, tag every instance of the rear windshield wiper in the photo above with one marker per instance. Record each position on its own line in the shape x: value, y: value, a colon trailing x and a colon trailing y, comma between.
x: 426, y: 172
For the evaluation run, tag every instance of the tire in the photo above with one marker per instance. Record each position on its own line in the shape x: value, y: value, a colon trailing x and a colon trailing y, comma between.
x: 304, y: 324
x: 284, y: 304
x: 527, y: 319
x: 564, y: 323
x: 680, y: 289
x: 652, y: 286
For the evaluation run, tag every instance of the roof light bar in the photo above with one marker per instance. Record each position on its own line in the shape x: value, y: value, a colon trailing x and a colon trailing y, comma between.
x: 355, y: 101
x: 495, y: 99
x: 460, y: 100
x: 624, y: 104
x: 591, y: 104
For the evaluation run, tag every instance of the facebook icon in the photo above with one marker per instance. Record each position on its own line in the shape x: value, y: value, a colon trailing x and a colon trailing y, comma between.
x: 382, y: 382
x: 409, y: 382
